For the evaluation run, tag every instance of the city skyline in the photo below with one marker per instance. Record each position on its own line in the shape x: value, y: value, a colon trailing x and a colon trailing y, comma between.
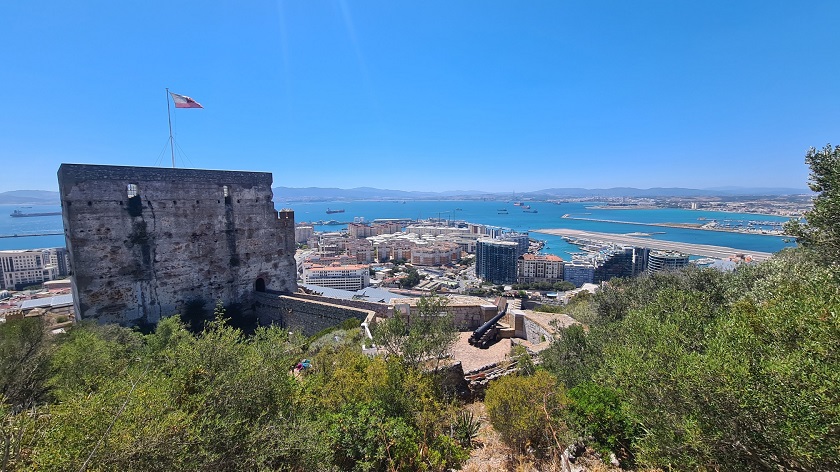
x: 436, y: 97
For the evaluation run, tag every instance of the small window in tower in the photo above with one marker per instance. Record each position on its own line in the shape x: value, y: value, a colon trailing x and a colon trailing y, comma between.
x: 135, y: 205
x: 226, y: 193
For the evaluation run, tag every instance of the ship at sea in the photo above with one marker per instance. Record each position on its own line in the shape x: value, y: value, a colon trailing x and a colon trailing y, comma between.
x: 330, y: 212
x: 20, y: 214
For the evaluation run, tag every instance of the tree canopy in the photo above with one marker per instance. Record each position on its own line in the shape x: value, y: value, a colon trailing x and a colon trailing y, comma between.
x: 221, y: 400
x: 821, y: 230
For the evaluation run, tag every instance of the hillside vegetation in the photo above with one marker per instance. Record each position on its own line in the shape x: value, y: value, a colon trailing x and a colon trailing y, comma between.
x: 690, y: 370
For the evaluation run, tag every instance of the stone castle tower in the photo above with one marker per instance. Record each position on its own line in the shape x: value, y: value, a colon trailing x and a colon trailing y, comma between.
x: 145, y: 241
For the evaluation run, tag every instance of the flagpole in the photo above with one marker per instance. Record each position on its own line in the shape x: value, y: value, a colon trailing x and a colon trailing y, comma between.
x: 171, y: 139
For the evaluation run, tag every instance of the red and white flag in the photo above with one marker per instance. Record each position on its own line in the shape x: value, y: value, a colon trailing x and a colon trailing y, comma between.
x: 183, y: 101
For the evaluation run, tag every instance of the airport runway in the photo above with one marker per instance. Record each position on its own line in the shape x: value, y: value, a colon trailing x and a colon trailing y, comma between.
x: 705, y: 250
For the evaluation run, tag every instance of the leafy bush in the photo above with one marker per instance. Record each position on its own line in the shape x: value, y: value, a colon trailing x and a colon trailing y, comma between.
x: 595, y: 411
x: 573, y: 356
x: 525, y: 411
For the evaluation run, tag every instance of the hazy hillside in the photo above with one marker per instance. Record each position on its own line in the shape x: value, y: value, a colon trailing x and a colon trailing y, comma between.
x: 32, y: 197
x: 368, y: 193
x: 45, y: 197
x: 362, y: 193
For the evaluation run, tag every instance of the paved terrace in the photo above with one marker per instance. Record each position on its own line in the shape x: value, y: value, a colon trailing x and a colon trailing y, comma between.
x: 705, y: 250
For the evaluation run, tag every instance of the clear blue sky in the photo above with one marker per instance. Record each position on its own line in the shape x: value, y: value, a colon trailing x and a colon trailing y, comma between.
x: 425, y: 95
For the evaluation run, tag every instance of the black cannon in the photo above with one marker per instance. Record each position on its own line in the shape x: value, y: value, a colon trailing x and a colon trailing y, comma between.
x: 486, y: 334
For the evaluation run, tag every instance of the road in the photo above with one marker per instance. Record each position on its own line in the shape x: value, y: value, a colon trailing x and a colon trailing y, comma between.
x: 705, y: 250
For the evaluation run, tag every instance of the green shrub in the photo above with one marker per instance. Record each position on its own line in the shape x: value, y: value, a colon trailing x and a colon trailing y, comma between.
x: 525, y: 411
x: 595, y: 411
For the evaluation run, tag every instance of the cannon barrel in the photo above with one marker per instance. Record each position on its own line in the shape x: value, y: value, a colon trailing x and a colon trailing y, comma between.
x: 477, y: 334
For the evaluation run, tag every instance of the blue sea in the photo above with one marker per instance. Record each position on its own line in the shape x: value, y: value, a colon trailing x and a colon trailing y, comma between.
x: 34, y: 225
x: 495, y: 213
x: 550, y: 215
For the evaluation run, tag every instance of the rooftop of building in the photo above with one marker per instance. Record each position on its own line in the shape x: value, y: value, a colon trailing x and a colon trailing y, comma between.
x: 368, y: 294
x: 497, y: 242
x: 542, y: 257
x: 579, y: 263
x: 14, y: 252
x: 59, y: 300
x: 335, y: 266
x: 669, y: 254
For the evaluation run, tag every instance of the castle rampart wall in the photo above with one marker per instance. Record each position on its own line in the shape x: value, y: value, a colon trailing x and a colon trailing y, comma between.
x: 145, y: 241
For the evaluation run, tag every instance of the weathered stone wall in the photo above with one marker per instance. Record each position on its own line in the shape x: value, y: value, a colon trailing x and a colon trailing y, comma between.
x: 465, y: 317
x: 137, y: 259
x: 381, y: 309
x: 307, y: 316
x: 535, y: 332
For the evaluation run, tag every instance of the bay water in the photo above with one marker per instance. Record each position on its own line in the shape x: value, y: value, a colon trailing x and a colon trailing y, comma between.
x: 495, y: 213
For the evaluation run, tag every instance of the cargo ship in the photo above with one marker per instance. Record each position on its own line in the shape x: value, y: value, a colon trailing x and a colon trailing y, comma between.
x: 330, y: 212
x: 20, y: 214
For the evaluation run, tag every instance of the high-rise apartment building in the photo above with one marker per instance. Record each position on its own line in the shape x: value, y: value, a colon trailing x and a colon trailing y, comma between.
x: 303, y: 233
x: 578, y: 272
x: 627, y: 261
x: 665, y: 260
x: 495, y: 261
x: 521, y: 240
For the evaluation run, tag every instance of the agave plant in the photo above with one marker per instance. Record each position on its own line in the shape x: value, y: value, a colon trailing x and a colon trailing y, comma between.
x: 465, y: 429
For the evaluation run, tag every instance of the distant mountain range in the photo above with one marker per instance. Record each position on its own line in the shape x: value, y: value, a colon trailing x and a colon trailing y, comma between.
x: 669, y: 192
x: 368, y: 193
x: 45, y: 197
x: 364, y: 193
x: 29, y: 197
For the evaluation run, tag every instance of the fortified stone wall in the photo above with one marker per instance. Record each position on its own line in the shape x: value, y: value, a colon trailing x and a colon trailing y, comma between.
x: 145, y: 241
x: 381, y: 309
x: 529, y: 329
x: 536, y: 333
x: 307, y: 316
x: 465, y: 317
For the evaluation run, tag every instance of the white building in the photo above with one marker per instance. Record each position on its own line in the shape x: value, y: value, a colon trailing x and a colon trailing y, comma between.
x: 435, y: 230
x: 360, y: 249
x: 659, y: 261
x: 20, y: 268
x: 343, y: 277
x: 435, y: 254
x: 304, y: 233
x: 539, y: 268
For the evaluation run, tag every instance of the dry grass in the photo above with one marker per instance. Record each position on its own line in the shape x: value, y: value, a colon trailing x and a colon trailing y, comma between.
x: 491, y: 454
